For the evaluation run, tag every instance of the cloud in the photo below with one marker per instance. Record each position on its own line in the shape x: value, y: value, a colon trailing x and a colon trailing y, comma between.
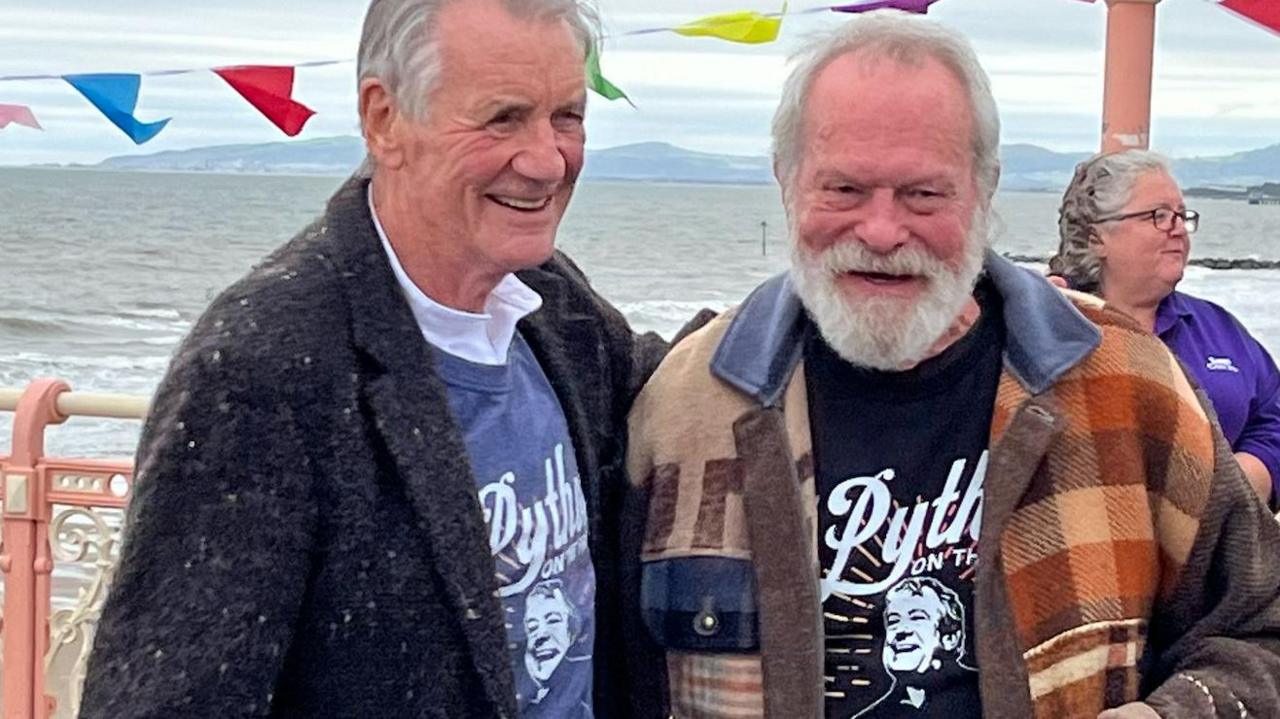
x: 1045, y: 59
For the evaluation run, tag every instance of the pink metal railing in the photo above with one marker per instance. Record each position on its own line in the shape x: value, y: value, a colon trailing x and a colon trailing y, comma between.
x: 56, y: 513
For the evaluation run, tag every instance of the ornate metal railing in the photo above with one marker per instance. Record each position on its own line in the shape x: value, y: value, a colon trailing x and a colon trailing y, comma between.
x: 61, y: 526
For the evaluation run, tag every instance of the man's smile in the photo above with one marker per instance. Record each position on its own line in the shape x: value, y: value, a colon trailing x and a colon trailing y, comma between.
x: 522, y: 204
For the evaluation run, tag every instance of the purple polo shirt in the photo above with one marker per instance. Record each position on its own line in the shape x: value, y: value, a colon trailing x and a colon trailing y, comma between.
x: 1233, y: 368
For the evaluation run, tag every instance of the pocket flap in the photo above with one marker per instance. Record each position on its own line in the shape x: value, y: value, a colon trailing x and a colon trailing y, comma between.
x: 702, y: 604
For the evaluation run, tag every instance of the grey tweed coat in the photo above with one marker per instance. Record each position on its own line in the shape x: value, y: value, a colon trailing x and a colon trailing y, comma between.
x: 304, y: 538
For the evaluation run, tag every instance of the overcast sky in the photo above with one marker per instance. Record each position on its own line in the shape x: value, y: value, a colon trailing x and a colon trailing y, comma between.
x: 1217, y: 86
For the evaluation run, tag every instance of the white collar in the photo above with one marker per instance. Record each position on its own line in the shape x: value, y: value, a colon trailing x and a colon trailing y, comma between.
x: 483, y: 338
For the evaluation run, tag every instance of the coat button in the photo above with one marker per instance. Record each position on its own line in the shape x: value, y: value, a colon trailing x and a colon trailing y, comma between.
x: 706, y: 623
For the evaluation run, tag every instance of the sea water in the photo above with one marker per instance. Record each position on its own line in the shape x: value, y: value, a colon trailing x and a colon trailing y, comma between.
x: 102, y: 273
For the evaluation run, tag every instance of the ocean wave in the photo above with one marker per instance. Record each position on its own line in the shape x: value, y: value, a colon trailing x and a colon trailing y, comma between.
x: 665, y: 317
x: 43, y: 324
x: 159, y: 313
x: 30, y: 327
x: 142, y: 324
x: 147, y: 364
x: 672, y: 310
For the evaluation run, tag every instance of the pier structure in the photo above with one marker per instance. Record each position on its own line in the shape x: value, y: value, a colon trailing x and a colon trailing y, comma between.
x: 60, y: 526
x: 1126, y: 93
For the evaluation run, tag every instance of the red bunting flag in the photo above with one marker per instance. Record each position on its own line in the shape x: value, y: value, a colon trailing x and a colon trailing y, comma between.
x: 1264, y: 12
x: 19, y: 115
x: 269, y: 88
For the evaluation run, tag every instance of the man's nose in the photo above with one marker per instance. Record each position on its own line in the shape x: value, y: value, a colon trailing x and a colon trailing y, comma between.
x: 540, y: 158
x: 881, y: 227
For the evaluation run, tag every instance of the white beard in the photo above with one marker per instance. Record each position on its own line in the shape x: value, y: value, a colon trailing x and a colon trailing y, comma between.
x: 887, y: 333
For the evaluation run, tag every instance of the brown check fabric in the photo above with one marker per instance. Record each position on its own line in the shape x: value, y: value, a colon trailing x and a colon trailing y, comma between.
x: 706, y: 686
x: 1107, y: 522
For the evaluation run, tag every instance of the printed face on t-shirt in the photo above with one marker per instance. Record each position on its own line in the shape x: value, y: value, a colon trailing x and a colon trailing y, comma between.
x: 913, y: 630
x: 547, y: 626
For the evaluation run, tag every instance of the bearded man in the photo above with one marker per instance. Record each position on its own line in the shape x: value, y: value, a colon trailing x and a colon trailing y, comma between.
x: 906, y: 404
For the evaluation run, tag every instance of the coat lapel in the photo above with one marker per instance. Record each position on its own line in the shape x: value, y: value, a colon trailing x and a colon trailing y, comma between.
x: 405, y: 401
x: 782, y: 547
x: 1023, y: 427
x: 568, y: 344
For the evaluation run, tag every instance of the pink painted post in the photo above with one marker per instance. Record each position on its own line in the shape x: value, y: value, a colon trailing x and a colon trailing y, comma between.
x: 1126, y: 96
x: 25, y: 558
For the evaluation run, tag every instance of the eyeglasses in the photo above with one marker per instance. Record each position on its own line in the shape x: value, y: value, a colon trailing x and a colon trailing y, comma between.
x: 1163, y: 218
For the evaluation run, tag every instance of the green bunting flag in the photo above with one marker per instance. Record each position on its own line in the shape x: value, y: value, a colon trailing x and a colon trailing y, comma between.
x: 597, y: 82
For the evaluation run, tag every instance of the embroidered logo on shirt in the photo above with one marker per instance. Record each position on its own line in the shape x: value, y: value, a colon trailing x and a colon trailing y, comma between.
x: 1221, y: 364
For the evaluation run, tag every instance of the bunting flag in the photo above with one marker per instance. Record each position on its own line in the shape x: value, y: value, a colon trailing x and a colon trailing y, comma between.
x: 916, y: 6
x: 1264, y: 12
x: 18, y: 115
x: 748, y: 27
x: 116, y: 97
x: 270, y: 89
x: 597, y: 82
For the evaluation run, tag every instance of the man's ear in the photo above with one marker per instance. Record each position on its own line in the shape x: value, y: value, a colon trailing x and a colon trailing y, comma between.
x: 380, y: 120
x: 782, y: 183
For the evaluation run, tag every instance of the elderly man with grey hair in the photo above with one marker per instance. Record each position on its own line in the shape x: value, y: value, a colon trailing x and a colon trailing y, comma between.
x: 372, y: 449
x: 906, y: 405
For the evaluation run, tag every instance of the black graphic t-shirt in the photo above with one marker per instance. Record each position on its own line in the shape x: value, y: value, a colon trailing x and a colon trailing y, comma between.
x: 900, y: 459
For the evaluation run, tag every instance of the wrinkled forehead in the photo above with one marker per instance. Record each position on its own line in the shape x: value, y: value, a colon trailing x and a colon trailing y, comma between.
x: 494, y: 25
x: 863, y: 95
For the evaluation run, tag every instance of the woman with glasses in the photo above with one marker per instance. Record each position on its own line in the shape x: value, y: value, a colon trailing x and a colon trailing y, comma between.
x: 1125, y: 236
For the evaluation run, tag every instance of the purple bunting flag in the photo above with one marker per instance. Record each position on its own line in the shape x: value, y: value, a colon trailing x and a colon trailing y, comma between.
x: 916, y: 6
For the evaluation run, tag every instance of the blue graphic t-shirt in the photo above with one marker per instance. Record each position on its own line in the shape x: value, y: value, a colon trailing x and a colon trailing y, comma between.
x: 531, y: 495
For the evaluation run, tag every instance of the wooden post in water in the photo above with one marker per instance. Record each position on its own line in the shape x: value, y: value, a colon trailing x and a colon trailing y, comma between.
x: 764, y: 229
x: 1126, y: 93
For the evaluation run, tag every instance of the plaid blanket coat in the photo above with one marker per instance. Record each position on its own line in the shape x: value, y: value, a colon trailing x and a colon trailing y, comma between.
x: 1122, y: 555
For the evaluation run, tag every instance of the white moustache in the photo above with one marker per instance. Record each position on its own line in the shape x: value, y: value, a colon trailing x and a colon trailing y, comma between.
x: 855, y: 257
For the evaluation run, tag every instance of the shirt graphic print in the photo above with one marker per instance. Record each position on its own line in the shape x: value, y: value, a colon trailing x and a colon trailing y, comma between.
x: 900, y: 460
x: 898, y: 615
x: 535, y: 511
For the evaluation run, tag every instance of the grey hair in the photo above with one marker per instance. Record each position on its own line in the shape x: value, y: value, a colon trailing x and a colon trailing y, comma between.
x: 1101, y: 186
x: 399, y: 48
x: 905, y: 39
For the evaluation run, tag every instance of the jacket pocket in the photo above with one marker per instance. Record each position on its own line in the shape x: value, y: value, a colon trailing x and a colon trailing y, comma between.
x: 701, y: 604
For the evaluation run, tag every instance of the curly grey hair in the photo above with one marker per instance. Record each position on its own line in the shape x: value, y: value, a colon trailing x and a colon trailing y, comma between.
x: 1101, y: 187
x: 398, y: 47
x: 905, y: 39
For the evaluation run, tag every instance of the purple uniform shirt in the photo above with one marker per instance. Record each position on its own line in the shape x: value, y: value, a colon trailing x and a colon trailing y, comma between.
x: 1233, y: 368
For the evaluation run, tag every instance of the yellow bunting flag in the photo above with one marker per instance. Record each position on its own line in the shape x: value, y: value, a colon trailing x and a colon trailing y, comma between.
x: 745, y: 26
